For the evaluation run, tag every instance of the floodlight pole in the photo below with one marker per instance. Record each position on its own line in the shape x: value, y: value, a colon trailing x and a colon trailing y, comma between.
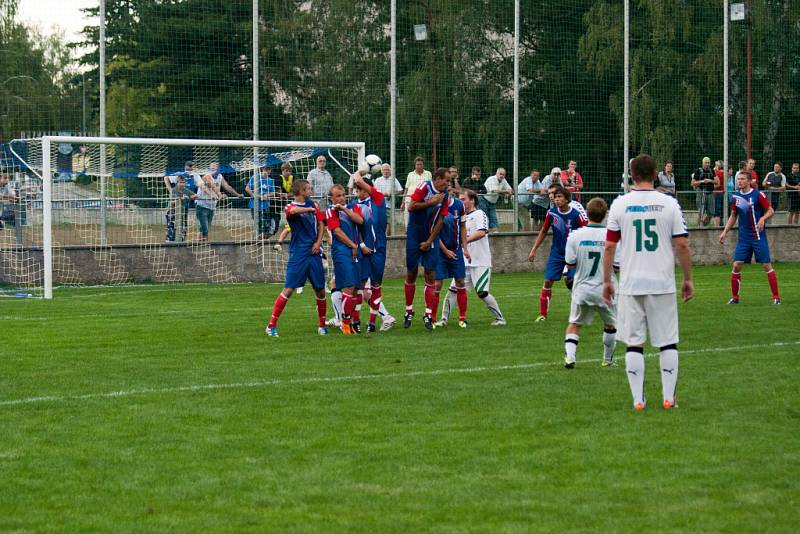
x: 725, y: 105
x: 627, y: 109
x: 103, y: 132
x: 393, y: 108
x: 515, y: 169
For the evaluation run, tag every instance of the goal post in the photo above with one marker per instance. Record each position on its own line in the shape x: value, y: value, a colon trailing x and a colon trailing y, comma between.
x: 110, y: 218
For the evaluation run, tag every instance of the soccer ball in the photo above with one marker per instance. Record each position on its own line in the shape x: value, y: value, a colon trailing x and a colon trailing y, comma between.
x: 374, y: 163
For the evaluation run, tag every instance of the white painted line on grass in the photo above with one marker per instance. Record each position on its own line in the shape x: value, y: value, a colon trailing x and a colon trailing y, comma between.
x: 348, y: 378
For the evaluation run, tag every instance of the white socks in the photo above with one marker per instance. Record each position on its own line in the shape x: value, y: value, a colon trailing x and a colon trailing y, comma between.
x: 571, y: 347
x: 491, y: 303
x: 609, y: 345
x: 449, y: 304
x: 669, y: 372
x: 336, y: 300
x: 634, y: 367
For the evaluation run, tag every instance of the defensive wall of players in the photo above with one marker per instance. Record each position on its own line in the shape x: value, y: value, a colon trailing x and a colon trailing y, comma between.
x: 509, y: 254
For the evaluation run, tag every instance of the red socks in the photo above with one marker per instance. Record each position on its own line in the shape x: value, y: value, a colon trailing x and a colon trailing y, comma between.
x: 374, y: 304
x: 322, y: 311
x: 410, y: 289
x: 348, y: 306
x: 773, y: 284
x: 461, y: 299
x: 358, y: 299
x: 277, y: 309
x: 544, y: 301
x: 736, y: 284
x: 431, y: 300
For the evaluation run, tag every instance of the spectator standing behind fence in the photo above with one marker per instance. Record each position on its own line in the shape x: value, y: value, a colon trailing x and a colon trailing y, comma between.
x: 475, y: 183
x: 180, y: 198
x: 751, y: 168
x: 495, y: 187
x: 417, y: 176
x: 321, y: 181
x: 181, y: 209
x: 264, y: 190
x: 572, y: 180
x: 8, y: 199
x: 793, y: 193
x: 386, y: 183
x: 666, y: 180
x: 283, y: 186
x: 703, y: 181
x: 208, y: 194
x: 775, y: 182
x: 525, y: 191
x: 540, y: 204
x: 221, y: 182
x: 454, y: 181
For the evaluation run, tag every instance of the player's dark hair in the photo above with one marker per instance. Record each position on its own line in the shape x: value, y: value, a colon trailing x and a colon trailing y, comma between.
x: 476, y: 169
x: 597, y: 209
x: 472, y: 195
x: 779, y: 163
x: 742, y: 165
x: 668, y: 162
x: 440, y: 172
x: 297, y: 186
x: 643, y: 168
x: 559, y: 189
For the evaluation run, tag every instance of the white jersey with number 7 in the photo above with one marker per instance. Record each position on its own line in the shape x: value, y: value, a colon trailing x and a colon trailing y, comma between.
x: 644, y: 222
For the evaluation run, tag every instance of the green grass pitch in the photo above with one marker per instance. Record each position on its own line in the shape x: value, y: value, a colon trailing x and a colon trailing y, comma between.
x: 157, y: 409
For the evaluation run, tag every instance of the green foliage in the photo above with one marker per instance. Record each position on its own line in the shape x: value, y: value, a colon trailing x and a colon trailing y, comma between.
x: 145, y: 421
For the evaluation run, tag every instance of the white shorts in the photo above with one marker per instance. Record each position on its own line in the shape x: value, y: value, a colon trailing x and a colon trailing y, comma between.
x: 583, y: 314
x: 478, y: 277
x: 643, y: 314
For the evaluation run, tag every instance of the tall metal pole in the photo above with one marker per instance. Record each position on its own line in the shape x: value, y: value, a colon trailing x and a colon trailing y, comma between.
x: 516, y: 115
x: 627, y: 110
x: 255, y: 61
x: 83, y: 104
x: 393, y: 106
x: 47, y: 218
x: 725, y: 106
x: 256, y: 190
x: 103, y: 132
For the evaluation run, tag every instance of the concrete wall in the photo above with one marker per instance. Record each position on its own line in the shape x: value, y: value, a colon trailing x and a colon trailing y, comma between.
x: 234, y: 262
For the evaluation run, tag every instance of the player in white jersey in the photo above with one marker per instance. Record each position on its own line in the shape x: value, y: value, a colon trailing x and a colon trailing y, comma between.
x: 584, y: 255
x: 645, y: 224
x: 479, y: 262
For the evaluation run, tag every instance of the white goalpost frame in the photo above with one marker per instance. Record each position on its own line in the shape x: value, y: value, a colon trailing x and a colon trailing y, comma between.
x: 47, y: 175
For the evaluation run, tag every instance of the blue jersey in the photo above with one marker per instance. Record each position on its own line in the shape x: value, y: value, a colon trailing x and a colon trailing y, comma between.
x: 339, y: 219
x: 304, y: 227
x: 562, y: 224
x: 265, y: 186
x: 750, y: 207
x: 373, y: 209
x: 451, y: 226
x: 421, y: 222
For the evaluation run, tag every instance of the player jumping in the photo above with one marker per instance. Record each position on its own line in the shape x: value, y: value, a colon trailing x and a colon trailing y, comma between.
x: 753, y: 210
x: 563, y: 218
x: 305, y: 255
x: 584, y: 254
x: 427, y: 209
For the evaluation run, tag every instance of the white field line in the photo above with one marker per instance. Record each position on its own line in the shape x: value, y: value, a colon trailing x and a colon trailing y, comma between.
x: 347, y: 378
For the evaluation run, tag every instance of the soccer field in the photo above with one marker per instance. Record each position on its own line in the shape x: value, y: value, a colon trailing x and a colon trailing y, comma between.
x: 168, y: 409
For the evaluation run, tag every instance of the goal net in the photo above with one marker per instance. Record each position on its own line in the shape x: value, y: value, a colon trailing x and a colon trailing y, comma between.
x: 108, y: 211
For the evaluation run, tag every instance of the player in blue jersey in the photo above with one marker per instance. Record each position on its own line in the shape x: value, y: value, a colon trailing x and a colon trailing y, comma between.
x: 343, y: 223
x: 305, y: 255
x: 562, y: 218
x: 452, y: 251
x: 753, y: 210
x: 427, y: 210
x: 373, y: 248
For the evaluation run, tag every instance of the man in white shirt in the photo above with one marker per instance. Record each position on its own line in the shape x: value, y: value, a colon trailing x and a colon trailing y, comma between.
x: 479, y: 261
x: 646, y: 224
x: 321, y: 181
x: 584, y: 255
x: 414, y: 178
x: 525, y: 190
x: 386, y: 183
x: 495, y: 187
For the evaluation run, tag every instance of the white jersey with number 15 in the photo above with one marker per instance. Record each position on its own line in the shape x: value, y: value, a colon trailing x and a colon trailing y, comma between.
x: 644, y: 222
